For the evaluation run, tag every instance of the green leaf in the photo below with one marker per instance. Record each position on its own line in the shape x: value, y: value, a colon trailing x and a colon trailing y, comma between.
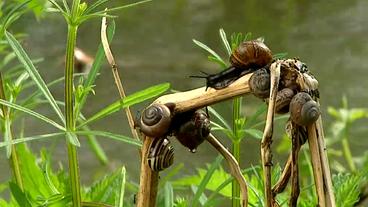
x: 96, y: 66
x: 169, y: 195
x: 280, y: 55
x: 135, y: 98
x: 32, y: 71
x: 106, y: 190
x: 96, y: 147
x: 31, y: 138
x: 206, y: 179
x: 219, y: 117
x: 72, y: 138
x: 110, y: 135
x: 32, y: 113
x: 205, y: 47
x: 225, y: 41
x: 254, y: 133
x: 347, y: 189
x: 19, y: 196
x: 122, y: 187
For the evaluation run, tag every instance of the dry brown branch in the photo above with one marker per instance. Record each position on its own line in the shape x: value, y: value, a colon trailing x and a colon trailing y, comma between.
x: 115, y: 72
x: 266, y: 153
x: 234, y: 167
x: 148, y: 178
x: 316, y: 164
x: 295, y: 190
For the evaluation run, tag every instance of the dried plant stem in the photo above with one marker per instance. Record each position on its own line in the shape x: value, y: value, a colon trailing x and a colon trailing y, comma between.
x: 295, y: 188
x: 316, y: 164
x: 14, y: 162
x: 325, y: 164
x: 115, y: 72
x: 266, y: 153
x: 148, y: 178
x: 234, y: 167
x: 284, y: 178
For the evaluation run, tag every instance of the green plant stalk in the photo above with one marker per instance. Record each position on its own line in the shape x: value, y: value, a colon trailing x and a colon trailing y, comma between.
x: 70, y: 119
x: 14, y: 162
x: 347, y: 152
x: 235, y: 193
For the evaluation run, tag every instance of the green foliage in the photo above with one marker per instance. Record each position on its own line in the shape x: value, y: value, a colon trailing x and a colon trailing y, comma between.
x: 347, y: 189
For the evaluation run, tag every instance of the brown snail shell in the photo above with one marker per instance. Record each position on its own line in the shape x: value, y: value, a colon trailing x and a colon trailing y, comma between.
x: 251, y: 54
x: 303, y: 109
x: 259, y: 83
x: 155, y: 120
x: 193, y: 131
x: 160, y: 155
x: 283, y: 100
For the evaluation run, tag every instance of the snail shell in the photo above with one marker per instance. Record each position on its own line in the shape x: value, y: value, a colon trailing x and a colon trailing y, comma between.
x: 303, y: 109
x: 259, y: 83
x: 251, y: 54
x: 160, y: 155
x: 155, y: 120
x: 192, y: 132
x: 283, y: 100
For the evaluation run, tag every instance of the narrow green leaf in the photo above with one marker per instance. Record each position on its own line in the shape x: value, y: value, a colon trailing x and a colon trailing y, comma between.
x: 205, y: 47
x: 96, y: 66
x: 122, y: 187
x: 280, y: 55
x: 126, y: 6
x: 26, y: 61
x: 72, y: 138
x: 19, y: 196
x: 225, y: 41
x: 254, y: 133
x: 110, y: 135
x: 169, y: 195
x: 95, y: 5
x: 32, y: 113
x: 31, y: 138
x: 219, y: 117
x: 96, y: 147
x: 7, y: 137
x: 132, y: 99
x: 218, y: 61
x: 202, y: 185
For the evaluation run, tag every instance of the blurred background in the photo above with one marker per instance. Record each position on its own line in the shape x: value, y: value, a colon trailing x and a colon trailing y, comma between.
x: 153, y: 44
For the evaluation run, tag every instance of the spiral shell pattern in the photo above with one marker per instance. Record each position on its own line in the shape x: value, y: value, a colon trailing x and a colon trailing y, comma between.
x: 161, y: 154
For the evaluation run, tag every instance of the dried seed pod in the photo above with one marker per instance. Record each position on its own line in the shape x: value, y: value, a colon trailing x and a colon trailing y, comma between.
x: 259, y: 83
x: 303, y: 109
x: 192, y: 132
x: 251, y: 54
x: 160, y: 155
x: 155, y: 120
x: 283, y: 100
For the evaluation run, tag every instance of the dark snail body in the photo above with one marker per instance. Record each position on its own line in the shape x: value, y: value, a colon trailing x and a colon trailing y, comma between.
x: 247, y: 58
x: 161, y: 154
x: 193, y: 129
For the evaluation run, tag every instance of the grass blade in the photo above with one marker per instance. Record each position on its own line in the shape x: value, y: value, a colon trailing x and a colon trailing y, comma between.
x: 125, y: 6
x: 206, y: 179
x: 32, y: 138
x: 32, y: 113
x: 205, y: 47
x: 110, y: 135
x: 122, y: 187
x: 135, y: 98
x: 169, y: 195
x: 26, y: 61
x: 219, y: 117
x: 225, y: 41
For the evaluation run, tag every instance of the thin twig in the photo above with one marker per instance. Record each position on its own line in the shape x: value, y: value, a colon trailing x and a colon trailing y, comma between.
x: 234, y: 167
x: 115, y: 72
x: 295, y: 189
x: 266, y: 153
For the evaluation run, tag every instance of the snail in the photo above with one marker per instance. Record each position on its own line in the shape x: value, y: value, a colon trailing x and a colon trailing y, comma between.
x: 283, y: 100
x: 160, y: 155
x: 192, y: 129
x: 248, y: 57
x: 303, y: 109
x: 259, y: 83
x: 155, y: 120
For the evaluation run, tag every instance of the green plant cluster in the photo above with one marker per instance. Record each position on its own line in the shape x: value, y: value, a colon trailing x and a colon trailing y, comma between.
x: 36, y: 182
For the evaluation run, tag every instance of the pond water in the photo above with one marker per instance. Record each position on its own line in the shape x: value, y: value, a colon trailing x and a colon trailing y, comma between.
x: 153, y: 44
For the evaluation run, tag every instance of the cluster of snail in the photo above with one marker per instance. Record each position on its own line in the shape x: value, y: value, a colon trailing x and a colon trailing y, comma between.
x: 290, y: 96
x: 190, y: 128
